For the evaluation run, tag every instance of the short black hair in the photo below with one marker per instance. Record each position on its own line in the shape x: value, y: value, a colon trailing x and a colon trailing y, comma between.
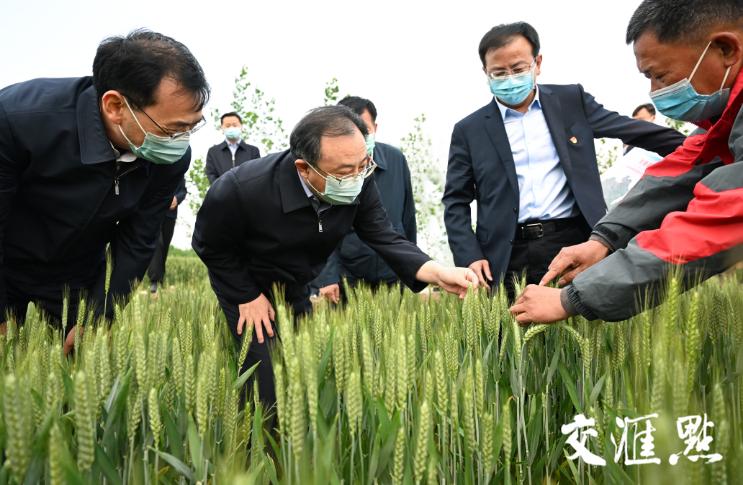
x: 332, y: 121
x: 136, y: 64
x: 358, y: 105
x: 674, y: 20
x: 231, y: 113
x: 502, y: 34
x: 647, y: 107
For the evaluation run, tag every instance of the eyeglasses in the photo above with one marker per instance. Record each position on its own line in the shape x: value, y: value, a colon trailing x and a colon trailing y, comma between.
x: 170, y: 133
x: 366, y: 171
x: 503, y: 73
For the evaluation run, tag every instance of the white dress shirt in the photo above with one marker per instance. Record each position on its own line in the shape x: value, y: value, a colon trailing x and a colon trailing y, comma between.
x: 544, y: 192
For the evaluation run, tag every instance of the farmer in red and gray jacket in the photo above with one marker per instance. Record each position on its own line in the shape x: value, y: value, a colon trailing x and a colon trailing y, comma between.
x: 687, y: 210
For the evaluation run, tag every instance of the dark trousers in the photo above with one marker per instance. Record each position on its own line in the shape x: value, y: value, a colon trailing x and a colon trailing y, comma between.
x: 531, y: 257
x: 261, y: 353
x: 48, y: 299
x: 156, y: 271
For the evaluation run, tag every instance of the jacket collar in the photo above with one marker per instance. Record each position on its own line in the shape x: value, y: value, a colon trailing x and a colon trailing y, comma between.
x: 718, y: 132
x: 290, y: 188
x: 224, y: 145
x: 553, y: 113
x: 496, y: 130
x: 552, y: 109
x: 95, y: 146
x: 379, y: 157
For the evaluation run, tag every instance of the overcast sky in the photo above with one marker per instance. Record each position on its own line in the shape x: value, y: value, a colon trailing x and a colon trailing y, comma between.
x: 409, y: 57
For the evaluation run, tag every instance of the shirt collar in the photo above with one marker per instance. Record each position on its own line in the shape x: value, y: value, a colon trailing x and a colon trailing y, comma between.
x: 506, y: 111
x: 125, y: 157
x: 306, y: 187
x: 233, y: 144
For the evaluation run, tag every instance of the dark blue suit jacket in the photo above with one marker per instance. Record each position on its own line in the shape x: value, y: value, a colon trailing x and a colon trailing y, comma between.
x: 481, y: 168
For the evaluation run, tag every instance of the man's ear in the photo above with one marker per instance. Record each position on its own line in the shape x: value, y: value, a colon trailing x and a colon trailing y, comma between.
x: 538, y: 60
x: 730, y: 45
x: 302, y: 167
x: 113, y: 106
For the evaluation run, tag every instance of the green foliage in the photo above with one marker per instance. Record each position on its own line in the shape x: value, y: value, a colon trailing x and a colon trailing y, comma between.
x: 331, y: 92
x: 427, y: 176
x: 262, y: 127
x: 199, y: 184
x: 391, y: 388
x: 607, y: 153
x: 682, y: 126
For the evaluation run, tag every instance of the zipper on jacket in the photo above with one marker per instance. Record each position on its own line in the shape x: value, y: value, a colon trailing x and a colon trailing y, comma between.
x: 319, y: 222
x: 119, y: 175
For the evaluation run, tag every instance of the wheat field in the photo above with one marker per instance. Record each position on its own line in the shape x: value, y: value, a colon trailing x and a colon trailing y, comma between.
x: 391, y: 388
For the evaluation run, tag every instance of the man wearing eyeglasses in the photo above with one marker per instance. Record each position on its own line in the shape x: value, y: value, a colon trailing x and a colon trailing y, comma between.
x: 91, y: 162
x: 354, y: 260
x: 275, y: 220
x: 528, y: 159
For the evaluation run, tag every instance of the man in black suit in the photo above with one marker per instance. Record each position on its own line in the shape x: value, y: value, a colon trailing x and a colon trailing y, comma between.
x: 91, y: 162
x: 353, y: 259
x: 528, y: 159
x: 232, y: 151
x: 276, y: 220
x: 156, y: 271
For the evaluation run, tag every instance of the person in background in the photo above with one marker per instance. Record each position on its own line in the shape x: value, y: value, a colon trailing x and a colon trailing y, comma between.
x: 645, y: 112
x: 232, y: 152
x: 618, y: 179
x: 354, y: 260
x: 156, y: 271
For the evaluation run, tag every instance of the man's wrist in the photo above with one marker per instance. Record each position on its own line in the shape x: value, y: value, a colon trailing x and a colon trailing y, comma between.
x: 567, y: 305
x: 601, y: 240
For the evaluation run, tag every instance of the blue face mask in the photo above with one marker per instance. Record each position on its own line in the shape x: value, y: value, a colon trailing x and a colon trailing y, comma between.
x: 514, y: 89
x: 160, y: 150
x: 232, y: 133
x: 681, y: 101
x: 370, y: 144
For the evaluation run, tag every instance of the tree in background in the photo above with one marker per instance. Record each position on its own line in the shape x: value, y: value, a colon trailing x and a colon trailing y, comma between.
x: 331, y: 92
x: 261, y: 126
x: 427, y: 175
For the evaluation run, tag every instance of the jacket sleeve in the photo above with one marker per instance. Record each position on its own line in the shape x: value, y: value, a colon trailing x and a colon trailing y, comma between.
x: 220, y: 224
x: 134, y: 243
x: 666, y: 186
x: 459, y: 193
x: 211, y: 166
x: 699, y: 242
x: 331, y: 273
x: 374, y: 228
x: 408, y: 210
x: 610, y: 124
x: 181, y: 191
x: 12, y: 164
